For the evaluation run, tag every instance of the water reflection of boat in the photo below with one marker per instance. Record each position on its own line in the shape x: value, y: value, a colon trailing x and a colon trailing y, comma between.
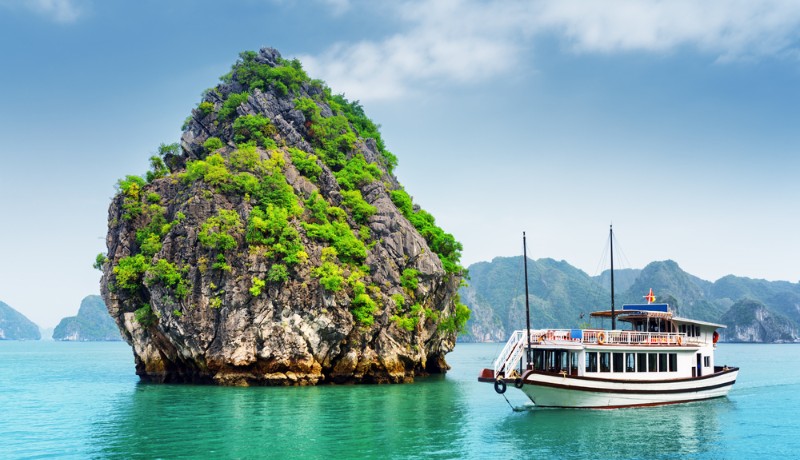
x: 656, y: 358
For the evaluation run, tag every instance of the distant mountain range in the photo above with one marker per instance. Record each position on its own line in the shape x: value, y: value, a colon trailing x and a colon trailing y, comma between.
x: 561, y: 295
x: 15, y: 326
x: 93, y: 323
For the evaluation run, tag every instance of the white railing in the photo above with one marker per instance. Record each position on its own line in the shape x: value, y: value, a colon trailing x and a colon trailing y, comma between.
x: 508, y: 357
x: 615, y: 337
x: 514, y: 349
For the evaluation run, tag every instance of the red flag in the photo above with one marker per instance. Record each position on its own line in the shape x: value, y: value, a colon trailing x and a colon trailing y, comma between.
x: 650, y: 297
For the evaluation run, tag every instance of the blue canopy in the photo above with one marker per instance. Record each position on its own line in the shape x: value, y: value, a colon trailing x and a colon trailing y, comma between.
x: 662, y: 307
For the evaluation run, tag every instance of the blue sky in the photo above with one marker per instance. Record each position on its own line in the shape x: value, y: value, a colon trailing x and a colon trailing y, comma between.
x: 677, y: 121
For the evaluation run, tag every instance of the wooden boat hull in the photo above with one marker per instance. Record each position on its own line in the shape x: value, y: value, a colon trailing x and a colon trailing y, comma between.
x: 564, y: 391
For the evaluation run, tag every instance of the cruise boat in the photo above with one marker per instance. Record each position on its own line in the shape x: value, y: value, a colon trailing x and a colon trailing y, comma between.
x: 654, y: 358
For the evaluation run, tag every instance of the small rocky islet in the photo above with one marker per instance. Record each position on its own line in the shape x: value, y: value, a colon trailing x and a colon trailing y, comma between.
x: 274, y: 245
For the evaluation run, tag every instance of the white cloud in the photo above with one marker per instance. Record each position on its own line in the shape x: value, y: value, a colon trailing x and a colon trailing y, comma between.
x: 452, y: 40
x: 337, y: 6
x: 466, y: 41
x: 726, y: 28
x: 62, y: 11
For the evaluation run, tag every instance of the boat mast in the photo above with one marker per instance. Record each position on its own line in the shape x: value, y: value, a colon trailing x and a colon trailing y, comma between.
x: 527, y: 305
x: 611, y: 245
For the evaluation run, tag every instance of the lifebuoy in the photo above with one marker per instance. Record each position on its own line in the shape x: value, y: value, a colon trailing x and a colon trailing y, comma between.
x: 601, y: 338
x: 500, y: 386
x: 518, y: 383
x: 716, y: 336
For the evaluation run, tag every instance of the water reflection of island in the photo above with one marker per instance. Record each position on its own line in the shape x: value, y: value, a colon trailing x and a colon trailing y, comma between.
x: 364, y: 421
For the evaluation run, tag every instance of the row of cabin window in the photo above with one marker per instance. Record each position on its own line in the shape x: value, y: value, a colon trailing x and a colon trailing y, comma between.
x: 555, y: 360
x: 631, y: 362
x: 690, y: 330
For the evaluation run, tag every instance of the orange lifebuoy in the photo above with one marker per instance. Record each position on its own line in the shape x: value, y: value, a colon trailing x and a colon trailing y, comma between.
x: 716, y: 336
x: 601, y: 337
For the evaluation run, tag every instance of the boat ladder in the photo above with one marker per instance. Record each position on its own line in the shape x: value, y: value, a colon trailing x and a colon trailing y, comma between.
x: 511, y: 355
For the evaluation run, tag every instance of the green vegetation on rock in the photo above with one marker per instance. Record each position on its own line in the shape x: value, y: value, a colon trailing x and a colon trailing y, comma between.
x: 278, y: 197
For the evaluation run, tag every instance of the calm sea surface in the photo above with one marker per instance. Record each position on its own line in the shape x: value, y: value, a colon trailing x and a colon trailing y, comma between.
x: 82, y: 400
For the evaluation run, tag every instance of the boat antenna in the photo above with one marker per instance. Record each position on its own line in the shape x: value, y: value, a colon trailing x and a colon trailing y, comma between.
x: 611, y: 245
x: 527, y: 305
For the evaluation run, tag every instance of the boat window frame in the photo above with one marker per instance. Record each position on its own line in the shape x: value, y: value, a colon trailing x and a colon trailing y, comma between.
x: 662, y: 362
x: 591, y: 361
x: 641, y: 362
x: 538, y: 359
x: 618, y: 362
x: 630, y: 362
x: 652, y: 362
x: 673, y: 362
x: 604, y: 367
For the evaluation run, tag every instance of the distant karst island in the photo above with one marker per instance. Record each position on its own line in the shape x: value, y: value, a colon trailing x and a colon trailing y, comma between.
x: 274, y: 245
x: 91, y: 324
x: 15, y: 326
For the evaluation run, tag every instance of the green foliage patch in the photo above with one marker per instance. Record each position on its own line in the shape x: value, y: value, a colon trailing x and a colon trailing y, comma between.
x: 360, y: 208
x: 306, y: 163
x: 256, y: 128
x: 285, y: 78
x: 228, y: 110
x: 129, y: 272
x: 220, y: 231
x: 145, y: 315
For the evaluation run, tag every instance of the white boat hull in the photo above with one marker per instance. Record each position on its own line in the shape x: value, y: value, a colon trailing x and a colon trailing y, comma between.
x: 548, y: 390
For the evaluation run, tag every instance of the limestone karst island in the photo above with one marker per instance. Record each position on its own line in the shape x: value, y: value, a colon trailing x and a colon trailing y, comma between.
x: 274, y: 246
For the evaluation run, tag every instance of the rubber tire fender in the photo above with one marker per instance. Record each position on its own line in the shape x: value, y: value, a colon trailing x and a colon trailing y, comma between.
x: 499, y: 386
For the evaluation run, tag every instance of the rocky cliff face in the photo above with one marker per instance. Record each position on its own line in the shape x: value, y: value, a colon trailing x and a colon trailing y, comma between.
x: 274, y: 246
x: 92, y: 323
x: 751, y: 321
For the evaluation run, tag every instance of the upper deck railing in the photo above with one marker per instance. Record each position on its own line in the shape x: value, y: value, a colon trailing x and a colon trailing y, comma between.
x: 514, y: 349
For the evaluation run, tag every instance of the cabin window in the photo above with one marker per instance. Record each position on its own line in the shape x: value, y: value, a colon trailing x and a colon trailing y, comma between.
x: 641, y: 359
x: 706, y: 361
x: 591, y: 361
x: 605, y: 361
x: 617, y: 360
x: 662, y: 362
x: 563, y: 360
x: 630, y: 362
x: 538, y: 359
x: 549, y: 360
x: 652, y: 362
x: 673, y: 362
x: 573, y: 363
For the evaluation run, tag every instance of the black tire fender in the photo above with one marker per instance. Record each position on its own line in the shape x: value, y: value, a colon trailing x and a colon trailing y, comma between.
x: 500, y: 386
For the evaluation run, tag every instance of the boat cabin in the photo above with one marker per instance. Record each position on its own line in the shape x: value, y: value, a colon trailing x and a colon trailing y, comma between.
x: 650, y: 344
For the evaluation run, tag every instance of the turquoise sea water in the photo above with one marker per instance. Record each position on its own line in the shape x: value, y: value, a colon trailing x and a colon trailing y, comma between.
x: 82, y: 400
